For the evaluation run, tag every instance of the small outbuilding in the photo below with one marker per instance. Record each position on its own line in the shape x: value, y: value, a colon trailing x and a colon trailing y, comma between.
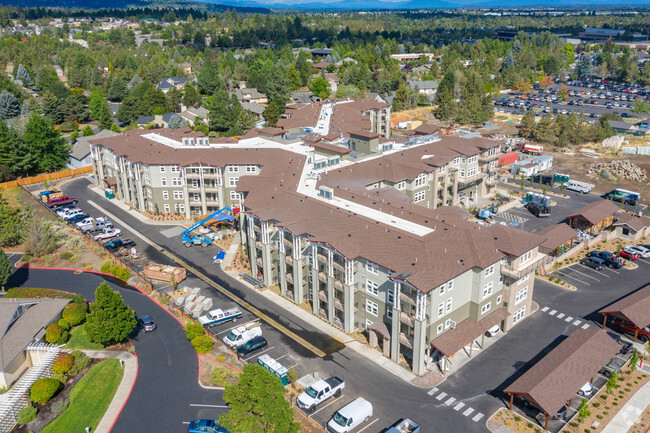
x: 631, y: 227
x: 634, y: 308
x: 594, y: 217
x: 559, y: 238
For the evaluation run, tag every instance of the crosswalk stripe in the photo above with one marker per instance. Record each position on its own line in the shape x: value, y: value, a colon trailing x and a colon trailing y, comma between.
x: 544, y: 310
x: 477, y: 417
x: 559, y: 316
x: 459, y: 406
x: 568, y: 319
x: 450, y: 401
x: 468, y: 411
x: 432, y: 391
x: 585, y: 326
x: 441, y: 396
x: 552, y: 313
x: 577, y: 322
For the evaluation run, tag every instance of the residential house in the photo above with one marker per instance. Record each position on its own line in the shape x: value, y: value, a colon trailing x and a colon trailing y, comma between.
x: 167, y: 83
x: 428, y: 88
x: 80, y: 153
x: 251, y: 95
x: 192, y: 114
x: 631, y: 227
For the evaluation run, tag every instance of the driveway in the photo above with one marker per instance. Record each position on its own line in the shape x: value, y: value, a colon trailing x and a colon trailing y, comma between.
x: 166, y: 393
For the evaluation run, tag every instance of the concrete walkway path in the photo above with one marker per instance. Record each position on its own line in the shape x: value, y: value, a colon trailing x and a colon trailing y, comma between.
x: 629, y: 413
x: 123, y: 391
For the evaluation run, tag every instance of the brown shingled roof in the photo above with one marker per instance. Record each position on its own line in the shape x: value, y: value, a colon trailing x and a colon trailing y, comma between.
x: 426, y: 129
x: 559, y: 375
x: 364, y: 134
x: 556, y: 236
x: 637, y: 222
x: 467, y: 331
x: 635, y: 307
x: 597, y: 211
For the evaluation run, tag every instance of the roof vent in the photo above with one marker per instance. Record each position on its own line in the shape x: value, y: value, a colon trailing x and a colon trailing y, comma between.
x: 326, y: 192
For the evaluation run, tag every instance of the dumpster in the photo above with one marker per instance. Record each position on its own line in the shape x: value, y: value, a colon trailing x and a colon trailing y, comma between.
x: 562, y: 178
x: 109, y: 193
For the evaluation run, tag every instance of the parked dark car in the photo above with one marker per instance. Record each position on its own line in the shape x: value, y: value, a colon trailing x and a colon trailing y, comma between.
x: 539, y: 210
x: 561, y: 414
x: 252, y: 346
x: 614, y: 365
x: 147, y: 323
x: 611, y: 261
x: 594, y: 262
x: 116, y: 243
x: 75, y: 219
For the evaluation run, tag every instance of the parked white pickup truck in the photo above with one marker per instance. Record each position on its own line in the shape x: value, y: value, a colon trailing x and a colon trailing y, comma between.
x: 218, y: 316
x: 242, y: 334
x: 320, y: 391
x: 91, y: 224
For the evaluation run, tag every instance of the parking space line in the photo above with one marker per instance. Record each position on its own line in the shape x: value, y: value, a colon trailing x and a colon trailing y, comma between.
x: 277, y: 359
x: 577, y: 322
x: 432, y: 391
x: 450, y: 401
x: 582, y: 273
x: 552, y: 313
x: 227, y: 330
x: 561, y: 315
x: 258, y: 354
x: 468, y: 411
x: 459, y: 406
x: 441, y: 396
x: 573, y: 278
x: 207, y: 405
x: 545, y: 309
x: 315, y: 412
x: 610, y: 269
x: 477, y: 417
x: 376, y: 419
x: 568, y: 319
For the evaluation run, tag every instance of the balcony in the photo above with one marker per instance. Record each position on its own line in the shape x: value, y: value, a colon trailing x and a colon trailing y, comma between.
x: 259, y: 261
x: 406, y: 318
x: 535, y: 264
x: 338, y: 304
x: 190, y: 175
x: 486, y: 158
x: 338, y: 323
x: 287, y: 242
x: 405, y: 341
x: 322, y: 277
x: 338, y: 266
x: 288, y: 260
x: 409, y: 299
x: 258, y: 244
x: 208, y: 175
x: 321, y: 258
x: 338, y: 285
x: 212, y: 203
x: 322, y: 295
x: 289, y: 277
x: 211, y: 188
x: 191, y: 188
x: 323, y: 314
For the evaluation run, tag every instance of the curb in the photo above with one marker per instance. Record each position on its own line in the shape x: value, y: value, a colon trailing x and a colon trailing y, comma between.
x: 130, y: 390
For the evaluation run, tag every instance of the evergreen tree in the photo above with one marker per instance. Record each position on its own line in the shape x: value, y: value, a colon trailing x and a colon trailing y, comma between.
x: 6, y: 148
x: 129, y: 109
x: 134, y: 81
x: 175, y: 122
x: 105, y: 117
x: 45, y: 143
x: 73, y: 110
x: 95, y: 102
x: 47, y: 80
x: 5, y: 268
x: 23, y: 162
x: 10, y: 224
x: 110, y: 320
x: 23, y: 74
x: 208, y: 79
x: 273, y: 111
x: 9, y: 105
x: 51, y: 106
x: 191, y: 97
x: 583, y: 69
x: 527, y: 125
x: 224, y: 111
x: 174, y: 97
x: 118, y: 90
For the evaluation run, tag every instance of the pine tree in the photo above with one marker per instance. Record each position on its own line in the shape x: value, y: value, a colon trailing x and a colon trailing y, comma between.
x: 23, y: 162
x: 51, y: 106
x: 44, y: 142
x: 134, y: 81
x: 118, y: 90
x: 527, y: 125
x: 175, y: 122
x: 6, y: 150
x: 73, y: 110
x: 208, y: 79
x: 110, y: 320
x: 10, y: 224
x: 9, y: 105
x: 104, y: 116
x: 5, y: 268
x: 583, y: 69
x: 23, y: 74
x: 191, y: 97
x: 224, y: 111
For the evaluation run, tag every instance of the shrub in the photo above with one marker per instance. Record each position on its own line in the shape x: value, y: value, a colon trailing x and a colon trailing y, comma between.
x: 78, y: 298
x: 221, y: 376
x: 61, y: 378
x: 53, y: 333
x: 26, y: 415
x: 292, y: 376
x: 59, y: 406
x: 44, y: 389
x: 65, y: 255
x: 202, y: 344
x: 193, y: 330
x: 64, y: 324
x: 65, y: 336
x: 63, y: 363
x: 26, y: 258
x: 117, y: 271
x: 75, y: 313
x: 81, y: 361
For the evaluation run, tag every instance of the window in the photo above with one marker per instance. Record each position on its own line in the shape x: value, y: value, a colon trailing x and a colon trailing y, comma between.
x: 626, y: 231
x: 456, y: 160
x: 400, y: 185
x: 174, y: 169
x: 177, y: 181
x: 250, y: 168
x: 372, y: 287
x: 449, y: 305
x: 450, y: 285
x: 233, y: 169
x: 439, y: 329
x: 487, y: 289
x: 368, y: 323
x: 178, y: 195
x: 163, y: 181
x: 234, y: 195
x: 442, y: 289
x: 489, y: 271
x: 419, y: 196
x: 390, y: 296
x: 421, y: 180
x: 179, y: 208
x: 389, y: 313
x: 166, y: 208
x: 162, y: 168
x: 441, y: 309
x: 521, y: 295
x: 442, y: 168
x: 149, y: 194
x: 485, y: 308
x: 197, y: 196
x: 499, y: 299
x: 165, y: 195
x: 524, y: 278
x: 450, y: 324
x: 372, y: 268
x: 526, y: 257
x: 147, y: 179
x: 195, y: 183
x: 462, y: 172
x: 471, y: 171
x: 519, y: 314
x: 151, y: 206
x: 372, y: 307
x: 233, y: 181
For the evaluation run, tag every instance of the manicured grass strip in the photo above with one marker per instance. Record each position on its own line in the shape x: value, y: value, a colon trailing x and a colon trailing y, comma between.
x: 89, y: 399
x: 30, y: 292
x: 79, y: 340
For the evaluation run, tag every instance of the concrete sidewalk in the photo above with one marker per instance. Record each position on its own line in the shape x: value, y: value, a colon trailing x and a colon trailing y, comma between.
x: 629, y: 413
x: 123, y: 391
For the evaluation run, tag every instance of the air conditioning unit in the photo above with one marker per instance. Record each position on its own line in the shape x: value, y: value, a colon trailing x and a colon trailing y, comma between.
x: 326, y: 192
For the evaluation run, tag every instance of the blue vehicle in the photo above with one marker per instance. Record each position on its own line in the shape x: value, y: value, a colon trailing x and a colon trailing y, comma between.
x: 611, y: 261
x: 189, y: 238
x: 206, y: 426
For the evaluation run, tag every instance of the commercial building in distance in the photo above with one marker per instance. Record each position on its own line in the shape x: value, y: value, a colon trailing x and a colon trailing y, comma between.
x: 369, y: 240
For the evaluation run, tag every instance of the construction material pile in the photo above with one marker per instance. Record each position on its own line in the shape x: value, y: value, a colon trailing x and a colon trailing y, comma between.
x: 619, y: 169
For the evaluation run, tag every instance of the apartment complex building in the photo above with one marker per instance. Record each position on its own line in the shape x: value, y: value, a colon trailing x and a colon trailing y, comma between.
x: 352, y: 240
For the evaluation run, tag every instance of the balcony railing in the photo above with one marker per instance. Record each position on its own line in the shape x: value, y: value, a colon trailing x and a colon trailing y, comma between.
x: 322, y: 277
x: 338, y: 304
x: 405, y: 318
x: 518, y: 272
x: 406, y: 341
x: 338, y: 285
x: 290, y: 278
x: 287, y: 242
x: 288, y: 259
x: 485, y: 158
x: 322, y: 295
x: 403, y: 297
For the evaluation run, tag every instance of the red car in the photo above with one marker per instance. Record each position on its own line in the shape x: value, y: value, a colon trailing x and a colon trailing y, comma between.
x: 629, y: 256
x: 624, y: 326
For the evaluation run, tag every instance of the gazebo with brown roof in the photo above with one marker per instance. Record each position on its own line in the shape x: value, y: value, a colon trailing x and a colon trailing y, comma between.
x: 557, y: 236
x: 556, y: 378
x: 594, y: 217
x: 634, y: 308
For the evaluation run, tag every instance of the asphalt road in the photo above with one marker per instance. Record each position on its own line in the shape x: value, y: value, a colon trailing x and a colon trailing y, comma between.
x: 478, y: 385
x: 167, y: 382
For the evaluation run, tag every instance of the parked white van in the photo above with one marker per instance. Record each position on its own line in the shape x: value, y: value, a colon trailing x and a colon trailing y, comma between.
x: 349, y: 416
x: 242, y: 334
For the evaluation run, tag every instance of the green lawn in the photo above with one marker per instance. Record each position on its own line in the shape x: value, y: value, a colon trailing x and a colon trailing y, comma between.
x: 89, y: 399
x: 79, y: 340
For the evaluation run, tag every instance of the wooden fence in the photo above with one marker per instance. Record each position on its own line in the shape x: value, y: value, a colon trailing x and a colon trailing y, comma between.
x: 48, y: 177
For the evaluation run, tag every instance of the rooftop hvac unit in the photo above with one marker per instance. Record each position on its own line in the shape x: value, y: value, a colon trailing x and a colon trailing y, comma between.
x: 326, y: 192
